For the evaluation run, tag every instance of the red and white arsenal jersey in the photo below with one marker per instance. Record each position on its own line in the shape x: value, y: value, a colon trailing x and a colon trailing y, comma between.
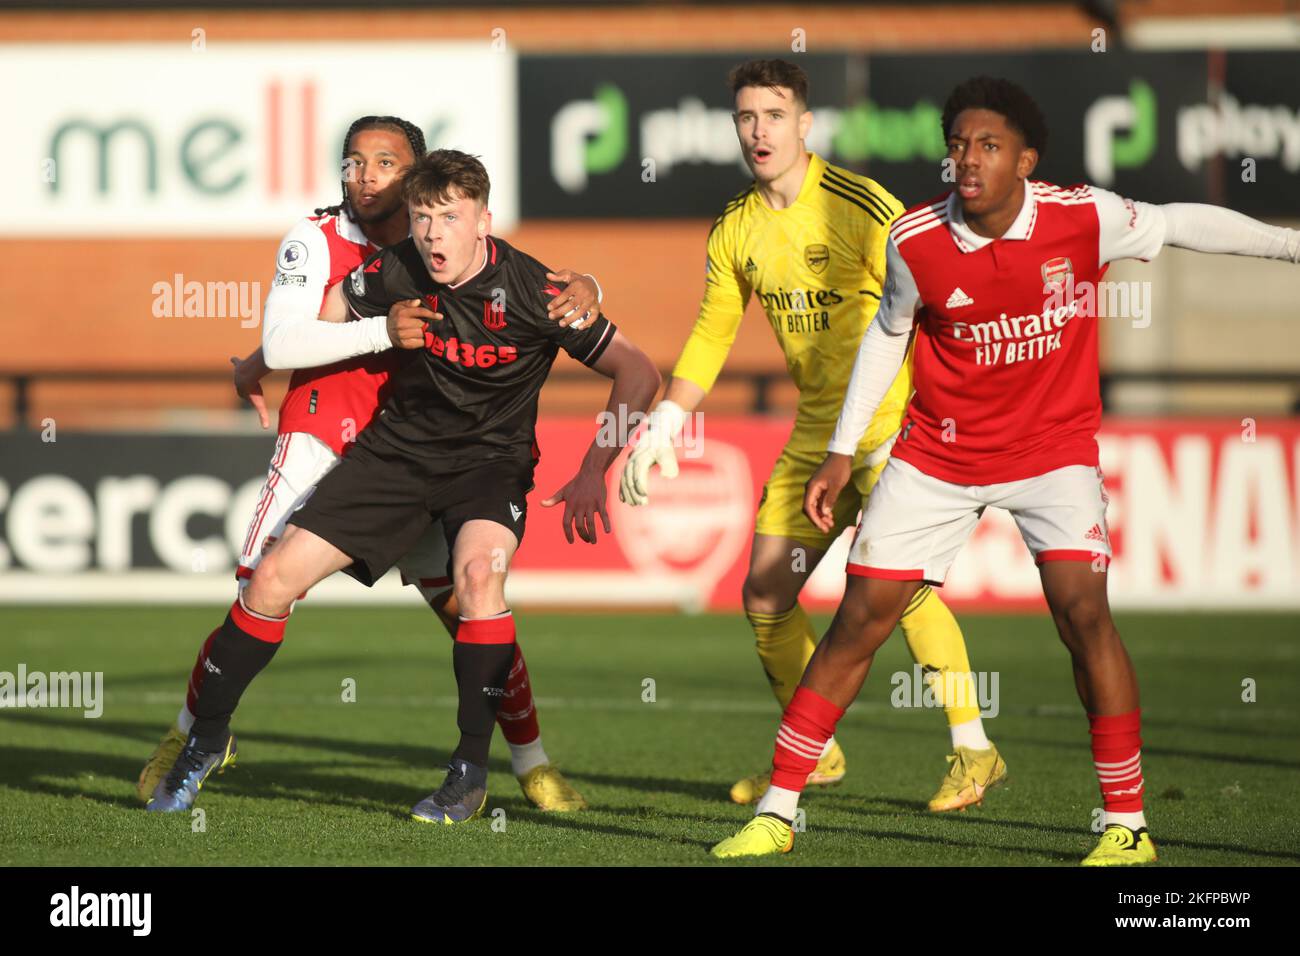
x: 1005, y: 368
x: 333, y: 402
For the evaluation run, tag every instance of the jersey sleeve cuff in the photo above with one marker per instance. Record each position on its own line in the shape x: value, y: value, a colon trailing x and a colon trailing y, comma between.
x: 377, y: 333
x: 597, y: 350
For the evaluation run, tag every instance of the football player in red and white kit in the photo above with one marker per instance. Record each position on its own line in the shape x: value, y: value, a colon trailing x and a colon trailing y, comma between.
x: 999, y: 280
x: 340, y: 379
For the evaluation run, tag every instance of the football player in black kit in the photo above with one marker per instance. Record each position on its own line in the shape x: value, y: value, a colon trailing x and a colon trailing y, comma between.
x: 455, y: 442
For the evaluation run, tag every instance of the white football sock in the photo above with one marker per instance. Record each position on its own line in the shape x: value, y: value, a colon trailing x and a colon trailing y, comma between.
x: 1134, y: 821
x: 524, y: 757
x: 780, y: 801
x: 829, y: 744
x: 185, y: 720
x: 969, y: 734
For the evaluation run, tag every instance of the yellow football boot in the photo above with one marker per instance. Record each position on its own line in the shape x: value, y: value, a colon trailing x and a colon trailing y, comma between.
x: 828, y: 772
x: 1121, y: 846
x: 764, y: 835
x: 546, y: 789
x: 971, y: 773
x: 160, y: 762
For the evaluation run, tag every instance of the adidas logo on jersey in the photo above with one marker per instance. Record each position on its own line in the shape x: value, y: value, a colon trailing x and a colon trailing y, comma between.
x: 749, y: 265
x: 958, y: 299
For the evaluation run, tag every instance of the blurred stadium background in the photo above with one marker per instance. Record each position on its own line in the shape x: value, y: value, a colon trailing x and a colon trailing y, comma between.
x: 161, y: 149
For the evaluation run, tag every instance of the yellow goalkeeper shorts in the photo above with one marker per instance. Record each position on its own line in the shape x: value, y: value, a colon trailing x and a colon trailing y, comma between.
x: 780, y: 510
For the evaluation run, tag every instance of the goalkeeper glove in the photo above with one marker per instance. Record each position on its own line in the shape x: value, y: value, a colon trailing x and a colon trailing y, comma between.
x: 654, y: 448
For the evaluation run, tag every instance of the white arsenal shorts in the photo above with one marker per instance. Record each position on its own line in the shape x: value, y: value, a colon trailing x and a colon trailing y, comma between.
x: 914, y: 524
x: 300, y: 461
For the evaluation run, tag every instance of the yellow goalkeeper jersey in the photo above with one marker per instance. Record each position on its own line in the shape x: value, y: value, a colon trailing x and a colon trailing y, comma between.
x: 818, y: 267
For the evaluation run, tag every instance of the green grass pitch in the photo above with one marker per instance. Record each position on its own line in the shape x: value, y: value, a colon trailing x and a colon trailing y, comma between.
x: 324, y: 782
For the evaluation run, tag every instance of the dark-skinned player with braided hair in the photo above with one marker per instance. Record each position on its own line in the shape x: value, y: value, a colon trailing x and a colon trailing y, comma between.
x: 340, y: 377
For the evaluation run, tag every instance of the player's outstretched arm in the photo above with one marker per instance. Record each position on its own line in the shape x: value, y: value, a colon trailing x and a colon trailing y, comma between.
x: 635, y: 382
x: 1214, y: 229
x: 1138, y: 230
x: 726, y: 292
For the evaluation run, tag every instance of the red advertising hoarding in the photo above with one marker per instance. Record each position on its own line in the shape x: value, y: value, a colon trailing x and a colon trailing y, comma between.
x: 1203, y: 513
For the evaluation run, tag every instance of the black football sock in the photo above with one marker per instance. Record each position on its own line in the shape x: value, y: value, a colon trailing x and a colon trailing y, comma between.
x: 244, y: 645
x: 483, y: 655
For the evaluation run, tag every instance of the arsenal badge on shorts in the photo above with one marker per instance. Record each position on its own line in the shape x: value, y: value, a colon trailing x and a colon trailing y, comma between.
x: 1057, y: 273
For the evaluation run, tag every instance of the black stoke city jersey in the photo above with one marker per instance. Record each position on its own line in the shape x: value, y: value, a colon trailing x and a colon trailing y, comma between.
x: 471, y: 392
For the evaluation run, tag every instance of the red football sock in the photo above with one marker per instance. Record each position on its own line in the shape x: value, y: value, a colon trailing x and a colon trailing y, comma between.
x: 517, y: 717
x: 1117, y: 757
x: 807, y: 724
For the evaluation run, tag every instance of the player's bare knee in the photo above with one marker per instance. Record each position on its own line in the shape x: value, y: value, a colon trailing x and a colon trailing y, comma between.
x: 857, y: 625
x: 478, y: 587
x: 268, y: 592
x: 764, y: 593
x: 1084, y: 623
x: 853, y: 644
x: 264, y: 595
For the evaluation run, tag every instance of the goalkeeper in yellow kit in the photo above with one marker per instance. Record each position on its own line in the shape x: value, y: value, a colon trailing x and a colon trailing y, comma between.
x: 809, y: 238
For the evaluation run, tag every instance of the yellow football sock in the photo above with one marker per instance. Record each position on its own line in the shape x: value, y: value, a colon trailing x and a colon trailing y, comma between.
x: 935, y: 641
x: 785, y: 642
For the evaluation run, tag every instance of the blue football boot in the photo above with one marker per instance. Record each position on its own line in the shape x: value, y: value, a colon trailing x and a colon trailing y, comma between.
x: 177, y: 790
x: 461, y: 798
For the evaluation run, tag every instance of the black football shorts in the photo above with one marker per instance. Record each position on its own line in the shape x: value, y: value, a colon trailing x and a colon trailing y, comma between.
x: 377, y: 502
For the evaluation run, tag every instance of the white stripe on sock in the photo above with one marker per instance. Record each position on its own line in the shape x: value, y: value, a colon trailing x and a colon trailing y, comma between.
x: 802, y: 750
x: 803, y: 738
x: 1119, y: 764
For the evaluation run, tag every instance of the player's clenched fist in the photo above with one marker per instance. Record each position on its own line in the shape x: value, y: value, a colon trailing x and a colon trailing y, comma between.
x: 823, y: 490
x: 654, y: 448
x: 407, y: 322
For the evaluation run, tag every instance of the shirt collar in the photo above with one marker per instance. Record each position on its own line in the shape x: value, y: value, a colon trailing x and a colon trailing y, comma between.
x: 812, y: 176
x: 348, y: 229
x: 969, y: 241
